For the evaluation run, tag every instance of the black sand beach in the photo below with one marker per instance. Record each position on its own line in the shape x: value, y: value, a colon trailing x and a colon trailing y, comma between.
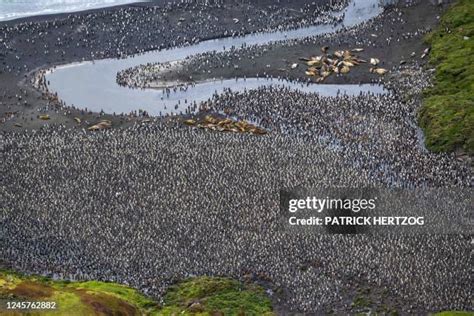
x: 39, y: 42
x: 377, y: 38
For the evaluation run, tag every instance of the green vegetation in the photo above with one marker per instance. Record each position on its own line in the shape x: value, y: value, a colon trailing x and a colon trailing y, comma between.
x: 198, y: 296
x: 361, y: 301
x: 74, y: 298
x: 447, y: 116
x: 216, y: 296
x: 202, y: 296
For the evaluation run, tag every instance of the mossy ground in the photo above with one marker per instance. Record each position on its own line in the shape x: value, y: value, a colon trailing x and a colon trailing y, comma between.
x: 197, y: 296
x: 216, y: 296
x: 447, y: 115
x: 73, y: 298
x: 202, y: 296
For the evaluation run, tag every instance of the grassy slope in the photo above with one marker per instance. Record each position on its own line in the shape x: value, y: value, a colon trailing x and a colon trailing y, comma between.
x: 74, y: 298
x: 216, y: 296
x: 198, y: 296
x: 447, y: 116
x: 203, y: 296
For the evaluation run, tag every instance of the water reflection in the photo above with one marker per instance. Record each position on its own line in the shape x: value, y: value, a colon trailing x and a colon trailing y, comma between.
x: 92, y: 85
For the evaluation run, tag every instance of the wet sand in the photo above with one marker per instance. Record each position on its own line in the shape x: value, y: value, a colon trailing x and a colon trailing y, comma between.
x: 39, y: 42
x: 276, y: 60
